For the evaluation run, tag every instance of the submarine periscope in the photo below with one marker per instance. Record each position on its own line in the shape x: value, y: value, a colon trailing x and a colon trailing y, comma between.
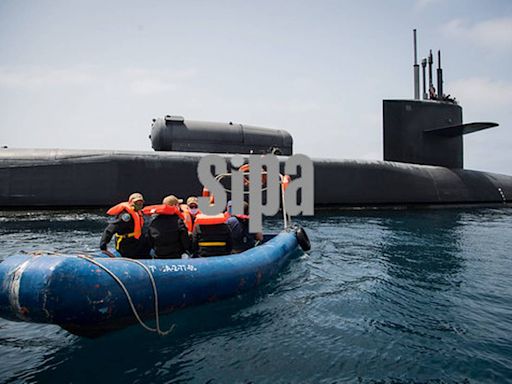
x: 422, y: 165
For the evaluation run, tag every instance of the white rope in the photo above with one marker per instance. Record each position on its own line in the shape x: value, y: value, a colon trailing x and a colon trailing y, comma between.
x: 125, y: 290
x: 220, y: 176
x: 286, y: 218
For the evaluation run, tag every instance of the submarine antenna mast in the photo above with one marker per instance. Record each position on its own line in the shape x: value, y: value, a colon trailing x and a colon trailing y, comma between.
x: 423, y: 70
x: 416, y: 70
x: 439, y: 77
x: 431, y: 91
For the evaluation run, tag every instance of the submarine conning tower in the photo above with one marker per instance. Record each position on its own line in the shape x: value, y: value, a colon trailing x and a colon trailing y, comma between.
x: 174, y: 133
x: 427, y: 131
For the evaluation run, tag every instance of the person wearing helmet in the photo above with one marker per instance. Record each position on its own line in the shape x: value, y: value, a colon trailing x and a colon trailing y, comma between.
x: 190, y: 211
x: 126, y: 228
x: 211, y: 236
x: 167, y: 233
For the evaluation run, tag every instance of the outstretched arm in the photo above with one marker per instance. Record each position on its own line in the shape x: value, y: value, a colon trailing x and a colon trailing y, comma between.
x: 107, y: 236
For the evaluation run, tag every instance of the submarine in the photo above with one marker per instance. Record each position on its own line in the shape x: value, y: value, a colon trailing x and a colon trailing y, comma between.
x: 422, y: 165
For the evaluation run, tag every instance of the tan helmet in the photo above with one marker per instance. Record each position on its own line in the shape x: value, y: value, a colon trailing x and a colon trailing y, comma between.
x: 135, y: 197
x: 172, y: 200
x: 192, y: 200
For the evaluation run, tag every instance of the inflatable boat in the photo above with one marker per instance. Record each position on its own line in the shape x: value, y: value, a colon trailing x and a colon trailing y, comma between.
x: 89, y: 295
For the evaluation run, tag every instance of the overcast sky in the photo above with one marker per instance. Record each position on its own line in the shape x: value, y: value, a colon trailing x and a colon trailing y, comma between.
x: 92, y: 74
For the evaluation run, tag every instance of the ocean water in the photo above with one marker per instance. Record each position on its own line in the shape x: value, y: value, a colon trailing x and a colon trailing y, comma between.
x: 383, y: 297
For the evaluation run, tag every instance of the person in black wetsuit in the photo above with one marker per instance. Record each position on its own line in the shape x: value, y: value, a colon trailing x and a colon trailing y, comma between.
x: 167, y: 233
x: 211, y: 236
x: 242, y: 238
x: 127, y: 229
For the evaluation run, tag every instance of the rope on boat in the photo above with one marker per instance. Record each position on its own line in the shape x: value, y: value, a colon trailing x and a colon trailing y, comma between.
x: 220, y: 176
x: 128, y: 296
x: 286, y: 217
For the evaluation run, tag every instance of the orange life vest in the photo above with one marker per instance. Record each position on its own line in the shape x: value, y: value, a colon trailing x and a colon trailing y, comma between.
x: 137, y: 217
x: 202, y: 219
x: 163, y: 209
x: 285, y: 181
x: 187, y: 217
x: 206, y: 193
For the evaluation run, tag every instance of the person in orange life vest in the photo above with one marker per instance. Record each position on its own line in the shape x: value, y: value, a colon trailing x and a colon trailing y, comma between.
x: 127, y: 228
x: 211, y: 235
x: 239, y: 225
x: 167, y: 233
x: 190, y: 211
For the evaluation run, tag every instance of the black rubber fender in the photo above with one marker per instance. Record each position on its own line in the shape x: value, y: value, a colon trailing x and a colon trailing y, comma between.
x: 303, y: 239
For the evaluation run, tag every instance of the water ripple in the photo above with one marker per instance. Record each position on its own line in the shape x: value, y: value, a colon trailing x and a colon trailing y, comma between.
x: 383, y: 297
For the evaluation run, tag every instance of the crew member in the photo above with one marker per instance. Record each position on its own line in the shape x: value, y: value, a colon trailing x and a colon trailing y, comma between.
x: 242, y: 238
x: 190, y: 211
x: 211, y: 235
x: 167, y: 233
x: 127, y: 228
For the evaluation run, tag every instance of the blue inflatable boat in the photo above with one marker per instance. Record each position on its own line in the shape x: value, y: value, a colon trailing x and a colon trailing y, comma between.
x: 90, y: 295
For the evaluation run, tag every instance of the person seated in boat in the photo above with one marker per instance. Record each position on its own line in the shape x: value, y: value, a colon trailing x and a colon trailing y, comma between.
x: 190, y: 211
x: 211, y: 235
x: 127, y: 228
x: 239, y: 225
x: 167, y: 233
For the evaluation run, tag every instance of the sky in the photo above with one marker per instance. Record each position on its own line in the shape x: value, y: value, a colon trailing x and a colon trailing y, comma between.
x: 92, y: 74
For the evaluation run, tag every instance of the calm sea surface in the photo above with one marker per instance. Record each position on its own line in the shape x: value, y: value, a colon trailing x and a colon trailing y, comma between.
x: 383, y: 297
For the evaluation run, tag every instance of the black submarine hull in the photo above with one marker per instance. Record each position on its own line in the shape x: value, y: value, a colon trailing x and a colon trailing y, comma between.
x: 60, y: 178
x: 422, y: 145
